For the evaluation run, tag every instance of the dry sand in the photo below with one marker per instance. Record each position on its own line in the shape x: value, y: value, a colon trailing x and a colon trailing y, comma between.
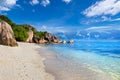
x: 22, y: 63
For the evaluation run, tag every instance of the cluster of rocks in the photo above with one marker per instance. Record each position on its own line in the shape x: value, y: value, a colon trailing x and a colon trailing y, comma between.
x: 7, y: 36
x: 49, y: 38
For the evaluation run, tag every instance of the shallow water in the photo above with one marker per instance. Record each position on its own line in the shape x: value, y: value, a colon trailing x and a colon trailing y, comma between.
x: 86, y: 60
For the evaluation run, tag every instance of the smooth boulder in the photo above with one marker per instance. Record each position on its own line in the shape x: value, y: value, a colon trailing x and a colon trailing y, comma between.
x: 55, y: 39
x: 36, y: 39
x: 64, y: 42
x: 51, y: 38
x: 30, y: 36
x: 7, y: 35
x: 42, y: 41
x: 71, y: 41
x: 48, y: 37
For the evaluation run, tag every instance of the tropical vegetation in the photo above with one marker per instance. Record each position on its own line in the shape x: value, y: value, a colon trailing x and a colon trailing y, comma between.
x: 20, y: 31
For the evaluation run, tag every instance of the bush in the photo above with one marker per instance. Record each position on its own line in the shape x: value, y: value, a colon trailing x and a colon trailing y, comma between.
x: 28, y: 27
x: 40, y: 34
x: 20, y: 33
x: 4, y: 18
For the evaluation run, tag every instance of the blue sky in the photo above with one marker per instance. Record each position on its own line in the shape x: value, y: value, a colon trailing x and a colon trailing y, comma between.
x: 56, y: 14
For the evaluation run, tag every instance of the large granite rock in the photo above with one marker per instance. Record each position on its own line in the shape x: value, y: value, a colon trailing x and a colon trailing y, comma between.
x: 51, y: 38
x: 7, y: 35
x: 48, y: 37
x: 42, y: 41
x: 30, y: 36
x: 36, y: 39
x: 55, y: 39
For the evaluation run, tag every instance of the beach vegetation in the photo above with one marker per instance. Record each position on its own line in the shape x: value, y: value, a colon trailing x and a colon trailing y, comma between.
x: 20, y: 31
x: 40, y: 34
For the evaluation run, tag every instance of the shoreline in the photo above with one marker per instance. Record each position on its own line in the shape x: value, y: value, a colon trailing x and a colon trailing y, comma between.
x: 22, y: 63
x: 30, y: 61
x: 66, y: 69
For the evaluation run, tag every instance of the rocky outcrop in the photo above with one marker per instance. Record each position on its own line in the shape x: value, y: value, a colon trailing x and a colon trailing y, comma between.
x: 48, y: 38
x: 36, y: 39
x: 7, y: 35
x: 71, y: 41
x: 56, y: 39
x: 51, y: 38
x: 64, y: 42
x: 42, y: 41
x: 30, y: 36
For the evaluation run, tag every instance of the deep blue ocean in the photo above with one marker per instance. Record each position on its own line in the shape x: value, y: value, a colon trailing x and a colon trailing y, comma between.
x: 102, y: 56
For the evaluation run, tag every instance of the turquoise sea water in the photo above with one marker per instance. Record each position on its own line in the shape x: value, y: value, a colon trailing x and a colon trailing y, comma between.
x: 99, y: 56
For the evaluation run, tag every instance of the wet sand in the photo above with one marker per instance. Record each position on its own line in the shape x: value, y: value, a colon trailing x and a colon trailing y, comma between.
x: 66, y: 69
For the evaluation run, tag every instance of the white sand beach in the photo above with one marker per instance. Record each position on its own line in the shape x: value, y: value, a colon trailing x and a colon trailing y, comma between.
x: 22, y: 63
x: 25, y: 63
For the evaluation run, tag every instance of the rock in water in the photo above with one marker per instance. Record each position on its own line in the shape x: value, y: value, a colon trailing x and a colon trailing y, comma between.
x: 30, y: 36
x: 64, y: 42
x: 7, y: 35
x: 71, y: 41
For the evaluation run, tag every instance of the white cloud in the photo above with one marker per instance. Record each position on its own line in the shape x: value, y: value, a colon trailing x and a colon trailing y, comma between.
x: 66, y: 1
x: 100, y: 19
x: 90, y: 21
x: 109, y: 19
x: 102, y: 29
x: 103, y: 7
x: 34, y: 2
x: 98, y: 28
x: 104, y: 18
x: 44, y: 27
x: 117, y: 19
x: 6, y: 5
x: 45, y: 2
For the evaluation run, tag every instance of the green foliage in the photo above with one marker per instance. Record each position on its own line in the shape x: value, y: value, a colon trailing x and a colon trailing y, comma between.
x: 40, y: 34
x: 4, y: 18
x: 20, y: 33
x: 29, y: 27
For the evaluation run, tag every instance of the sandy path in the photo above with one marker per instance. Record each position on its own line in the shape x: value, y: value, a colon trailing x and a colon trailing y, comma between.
x: 22, y: 63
